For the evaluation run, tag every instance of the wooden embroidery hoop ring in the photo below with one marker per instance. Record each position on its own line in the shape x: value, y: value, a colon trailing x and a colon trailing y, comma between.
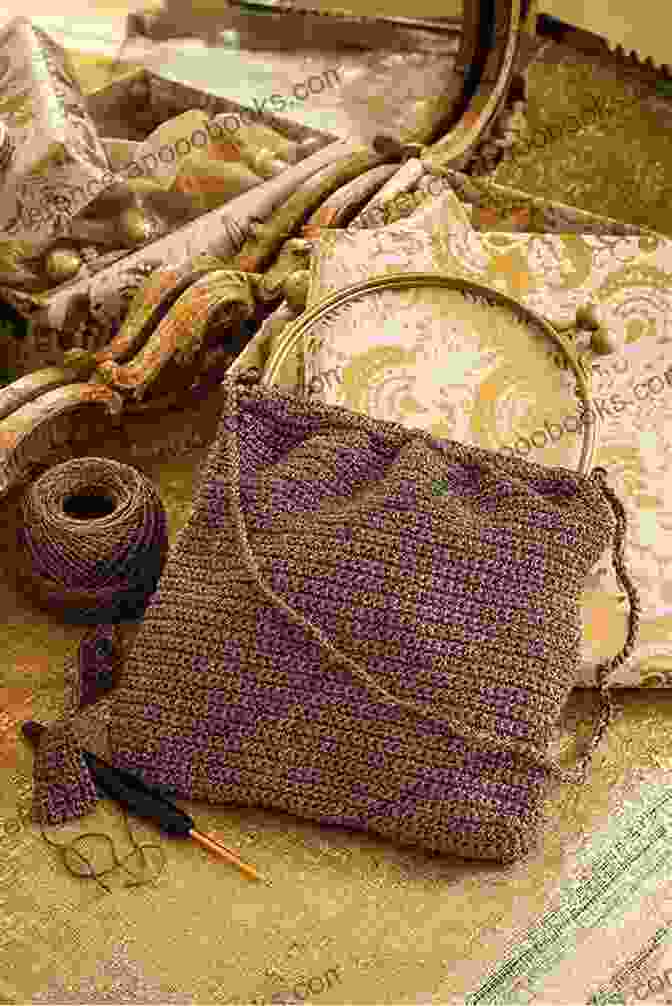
x: 297, y: 329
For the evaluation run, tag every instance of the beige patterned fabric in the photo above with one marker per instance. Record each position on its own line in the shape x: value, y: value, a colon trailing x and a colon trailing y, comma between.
x: 424, y: 359
x: 56, y: 164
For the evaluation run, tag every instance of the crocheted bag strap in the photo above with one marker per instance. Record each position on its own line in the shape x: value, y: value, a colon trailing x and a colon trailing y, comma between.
x: 604, y: 670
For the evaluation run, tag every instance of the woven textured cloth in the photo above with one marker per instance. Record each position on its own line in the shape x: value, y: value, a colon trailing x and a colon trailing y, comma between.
x: 360, y: 625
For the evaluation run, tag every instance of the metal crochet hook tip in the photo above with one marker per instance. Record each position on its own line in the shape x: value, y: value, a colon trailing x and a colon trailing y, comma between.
x: 132, y: 793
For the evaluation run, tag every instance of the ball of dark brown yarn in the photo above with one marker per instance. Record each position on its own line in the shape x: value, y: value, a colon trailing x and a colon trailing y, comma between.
x: 93, y: 541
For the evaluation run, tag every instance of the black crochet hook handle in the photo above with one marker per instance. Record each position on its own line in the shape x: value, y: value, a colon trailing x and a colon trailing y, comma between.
x: 127, y: 789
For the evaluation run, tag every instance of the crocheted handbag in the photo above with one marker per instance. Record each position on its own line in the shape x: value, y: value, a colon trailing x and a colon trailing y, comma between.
x: 363, y: 626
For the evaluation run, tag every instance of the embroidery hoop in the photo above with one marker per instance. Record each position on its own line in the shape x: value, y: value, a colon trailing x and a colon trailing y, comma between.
x: 299, y: 328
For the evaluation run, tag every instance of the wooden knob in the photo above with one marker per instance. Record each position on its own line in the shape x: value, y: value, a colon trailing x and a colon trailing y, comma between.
x: 266, y: 164
x: 602, y: 342
x: 295, y: 289
x: 62, y: 264
x: 136, y: 227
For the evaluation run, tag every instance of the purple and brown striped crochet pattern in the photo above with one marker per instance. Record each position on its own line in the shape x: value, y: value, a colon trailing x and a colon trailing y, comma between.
x: 334, y: 638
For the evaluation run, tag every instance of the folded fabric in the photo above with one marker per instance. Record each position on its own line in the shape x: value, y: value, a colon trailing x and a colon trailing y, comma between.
x: 211, y: 182
x: 57, y: 164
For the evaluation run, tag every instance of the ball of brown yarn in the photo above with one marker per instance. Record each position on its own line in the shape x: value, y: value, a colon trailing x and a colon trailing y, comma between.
x: 93, y: 541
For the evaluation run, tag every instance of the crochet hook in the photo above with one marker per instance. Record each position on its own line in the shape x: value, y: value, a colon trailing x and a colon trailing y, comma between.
x: 128, y: 790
